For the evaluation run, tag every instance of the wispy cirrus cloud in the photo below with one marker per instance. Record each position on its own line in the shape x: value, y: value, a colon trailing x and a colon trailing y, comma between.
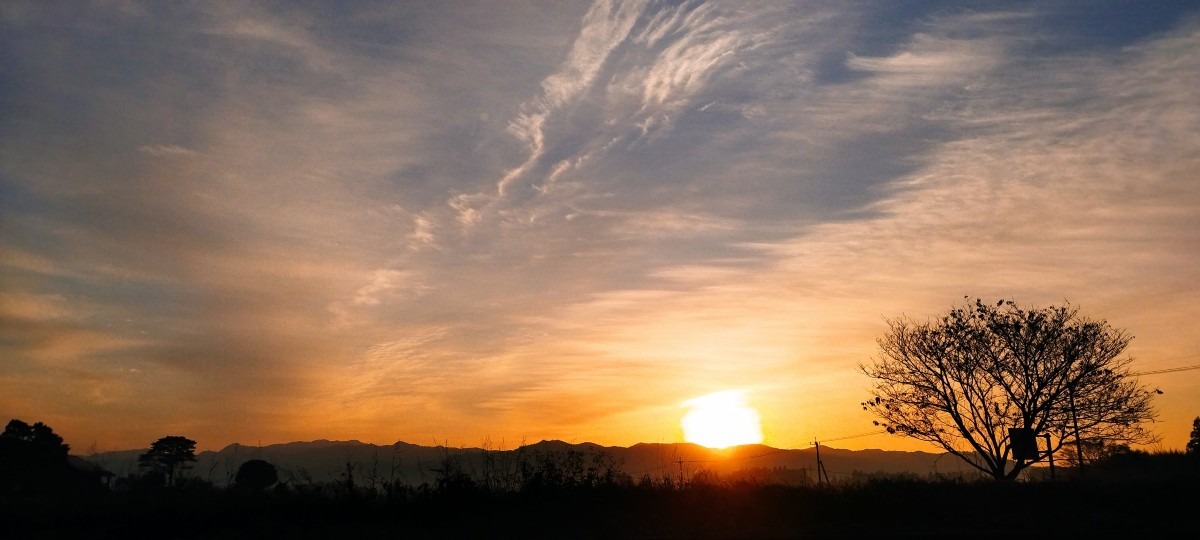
x: 605, y: 26
x: 453, y: 221
x: 167, y: 150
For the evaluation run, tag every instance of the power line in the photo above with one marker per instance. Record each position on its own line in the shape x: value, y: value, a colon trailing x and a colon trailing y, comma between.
x: 868, y: 434
x: 1168, y: 370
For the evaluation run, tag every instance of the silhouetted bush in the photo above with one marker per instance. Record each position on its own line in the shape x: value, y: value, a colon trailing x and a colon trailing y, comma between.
x: 256, y: 475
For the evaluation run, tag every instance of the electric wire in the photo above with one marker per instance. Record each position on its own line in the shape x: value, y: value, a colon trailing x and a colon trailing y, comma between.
x: 1167, y: 370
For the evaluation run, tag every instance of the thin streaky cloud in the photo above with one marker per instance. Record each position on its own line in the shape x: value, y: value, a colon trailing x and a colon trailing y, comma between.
x: 455, y: 221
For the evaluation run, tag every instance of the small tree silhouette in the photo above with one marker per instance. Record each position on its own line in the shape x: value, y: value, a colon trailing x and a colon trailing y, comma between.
x: 169, y: 456
x: 256, y: 475
x: 1193, y: 444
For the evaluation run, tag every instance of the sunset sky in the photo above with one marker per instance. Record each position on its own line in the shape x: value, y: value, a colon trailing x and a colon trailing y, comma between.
x: 467, y: 222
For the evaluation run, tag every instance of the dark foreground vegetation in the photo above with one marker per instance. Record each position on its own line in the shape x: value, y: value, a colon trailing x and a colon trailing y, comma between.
x: 46, y: 493
x: 1143, y: 494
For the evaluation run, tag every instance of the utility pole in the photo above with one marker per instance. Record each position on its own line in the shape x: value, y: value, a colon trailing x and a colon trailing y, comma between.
x: 680, y: 462
x: 820, y: 466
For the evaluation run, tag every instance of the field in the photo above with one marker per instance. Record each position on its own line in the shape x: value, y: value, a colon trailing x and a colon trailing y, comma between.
x: 1137, y: 502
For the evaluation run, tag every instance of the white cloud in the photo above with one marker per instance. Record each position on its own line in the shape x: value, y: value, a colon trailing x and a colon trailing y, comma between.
x: 161, y: 150
x: 422, y: 235
x: 930, y: 61
x: 383, y: 282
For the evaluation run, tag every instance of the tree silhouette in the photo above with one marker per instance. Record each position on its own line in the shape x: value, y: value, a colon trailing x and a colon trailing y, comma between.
x: 31, y: 458
x: 1193, y: 444
x: 169, y: 456
x: 39, y: 436
x: 963, y: 380
x: 256, y: 475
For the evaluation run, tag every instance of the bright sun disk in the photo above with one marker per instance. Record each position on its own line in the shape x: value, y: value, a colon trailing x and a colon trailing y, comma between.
x: 721, y: 419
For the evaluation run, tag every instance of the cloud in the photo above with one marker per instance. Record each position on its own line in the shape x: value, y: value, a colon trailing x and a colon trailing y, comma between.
x: 161, y: 150
x: 928, y: 62
x: 631, y: 72
x: 605, y: 26
x: 449, y: 220
x: 383, y: 282
x: 1035, y: 198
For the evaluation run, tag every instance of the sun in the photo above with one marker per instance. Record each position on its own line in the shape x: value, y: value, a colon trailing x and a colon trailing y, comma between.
x: 721, y: 419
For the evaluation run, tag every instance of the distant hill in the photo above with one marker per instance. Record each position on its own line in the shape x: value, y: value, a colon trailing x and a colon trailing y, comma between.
x: 326, y: 461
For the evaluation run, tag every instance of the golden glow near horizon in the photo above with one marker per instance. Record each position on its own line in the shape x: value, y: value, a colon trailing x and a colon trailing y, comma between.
x: 721, y: 419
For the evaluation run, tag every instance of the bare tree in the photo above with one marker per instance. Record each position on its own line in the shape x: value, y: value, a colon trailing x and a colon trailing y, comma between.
x: 963, y: 380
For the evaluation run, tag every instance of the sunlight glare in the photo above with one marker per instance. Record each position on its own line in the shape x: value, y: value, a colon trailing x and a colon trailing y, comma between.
x: 721, y: 419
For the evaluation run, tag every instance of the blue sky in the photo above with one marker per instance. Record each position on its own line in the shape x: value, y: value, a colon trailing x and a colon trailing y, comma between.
x: 458, y: 221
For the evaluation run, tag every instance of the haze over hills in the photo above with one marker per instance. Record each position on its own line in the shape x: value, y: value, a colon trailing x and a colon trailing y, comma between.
x: 327, y: 461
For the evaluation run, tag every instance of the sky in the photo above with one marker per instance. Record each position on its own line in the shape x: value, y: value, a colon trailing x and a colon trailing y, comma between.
x: 492, y: 223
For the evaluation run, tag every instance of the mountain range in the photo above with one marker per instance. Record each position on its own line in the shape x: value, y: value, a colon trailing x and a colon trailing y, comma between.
x: 328, y: 461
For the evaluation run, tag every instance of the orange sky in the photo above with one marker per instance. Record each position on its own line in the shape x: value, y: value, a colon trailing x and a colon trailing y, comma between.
x: 452, y: 223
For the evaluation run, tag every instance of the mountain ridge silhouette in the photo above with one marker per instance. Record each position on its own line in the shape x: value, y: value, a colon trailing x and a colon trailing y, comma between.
x: 324, y: 460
